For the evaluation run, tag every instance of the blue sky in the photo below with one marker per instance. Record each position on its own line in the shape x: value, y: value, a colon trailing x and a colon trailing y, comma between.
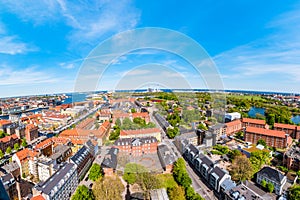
x: 254, y: 44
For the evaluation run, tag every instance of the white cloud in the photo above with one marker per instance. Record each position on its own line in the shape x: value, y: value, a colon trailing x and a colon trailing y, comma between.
x: 67, y: 65
x: 90, y: 20
x: 30, y: 75
x: 11, y: 45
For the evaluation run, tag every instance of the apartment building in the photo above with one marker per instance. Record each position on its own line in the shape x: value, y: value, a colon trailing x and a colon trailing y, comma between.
x: 61, y: 185
x: 291, y: 158
x: 292, y: 130
x: 137, y: 146
x: 233, y: 127
x: 147, y: 132
x: 273, y: 138
x: 258, y: 123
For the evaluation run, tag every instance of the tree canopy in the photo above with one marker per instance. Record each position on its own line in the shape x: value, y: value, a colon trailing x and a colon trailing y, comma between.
x: 294, y: 192
x: 176, y: 193
x: 258, y: 159
x: 109, y: 188
x: 82, y: 192
x: 1, y: 154
x: 8, y: 150
x: 241, y: 169
x: 262, y: 142
x: 95, y: 172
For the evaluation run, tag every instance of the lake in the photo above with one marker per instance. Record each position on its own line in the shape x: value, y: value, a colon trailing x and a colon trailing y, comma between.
x: 254, y: 110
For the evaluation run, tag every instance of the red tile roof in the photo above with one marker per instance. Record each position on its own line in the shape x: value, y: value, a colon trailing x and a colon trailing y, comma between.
x: 233, y: 123
x: 267, y: 132
x: 139, y: 131
x: 8, y: 138
x: 39, y: 197
x: 44, y: 144
x: 25, y: 153
x: 142, y: 114
x: 286, y: 126
x: 254, y: 121
x: 4, y: 122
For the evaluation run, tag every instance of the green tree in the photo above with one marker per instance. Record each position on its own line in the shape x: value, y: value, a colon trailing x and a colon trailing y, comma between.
x: 147, y: 182
x: 172, y: 132
x: 180, y: 174
x: 294, y: 193
x: 202, y: 126
x: 24, y: 142
x: 258, y: 159
x: 263, y: 183
x: 233, y: 154
x: 16, y: 146
x: 110, y: 188
x: 118, y: 122
x: 133, y: 110
x: 240, y: 135
x: 95, y: 172
x: 2, y: 134
x: 270, y: 187
x: 241, y: 169
x: 139, y: 121
x: 131, y: 172
x: 262, y: 142
x: 82, y: 192
x: 115, y: 134
x: 176, y: 193
x: 1, y: 154
x: 8, y: 150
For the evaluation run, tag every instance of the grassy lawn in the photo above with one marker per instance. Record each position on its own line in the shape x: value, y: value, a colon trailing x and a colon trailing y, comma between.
x: 248, y: 97
x: 167, y: 180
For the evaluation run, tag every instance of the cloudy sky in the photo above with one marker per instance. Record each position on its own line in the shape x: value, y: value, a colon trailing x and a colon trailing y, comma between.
x: 255, y: 45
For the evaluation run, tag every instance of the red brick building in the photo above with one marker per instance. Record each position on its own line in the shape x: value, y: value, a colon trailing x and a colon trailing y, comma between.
x: 291, y: 158
x: 233, y: 127
x: 31, y: 132
x: 273, y: 138
x: 292, y: 130
x: 8, y: 141
x: 137, y: 146
x: 131, y: 116
x: 147, y: 132
x: 259, y: 123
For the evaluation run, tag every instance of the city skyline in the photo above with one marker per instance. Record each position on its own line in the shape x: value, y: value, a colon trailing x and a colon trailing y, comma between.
x: 255, y: 45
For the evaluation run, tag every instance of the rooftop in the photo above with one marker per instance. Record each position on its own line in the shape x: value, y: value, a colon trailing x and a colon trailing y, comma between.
x: 9, y: 138
x: 272, y: 174
x: 139, y: 131
x: 135, y: 141
x: 266, y: 132
x: 254, y: 121
x: 247, y: 190
x: 233, y: 123
x: 61, y: 175
x: 110, y: 159
x: 25, y: 153
x: 284, y: 126
x: 166, y: 156
x: 293, y: 152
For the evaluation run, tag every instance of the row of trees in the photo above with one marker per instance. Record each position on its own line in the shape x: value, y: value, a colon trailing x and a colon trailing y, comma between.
x: 16, y: 148
x: 182, y: 178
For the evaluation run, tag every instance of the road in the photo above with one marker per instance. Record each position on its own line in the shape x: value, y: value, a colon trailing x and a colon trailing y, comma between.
x: 197, y: 183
